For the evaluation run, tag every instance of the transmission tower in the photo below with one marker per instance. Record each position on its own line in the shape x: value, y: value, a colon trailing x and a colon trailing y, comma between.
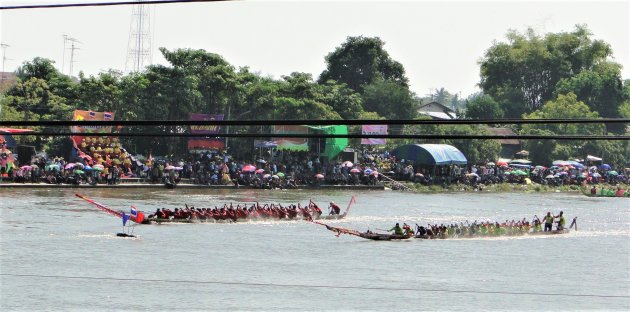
x: 139, y: 46
x: 72, y: 47
x: 4, y: 58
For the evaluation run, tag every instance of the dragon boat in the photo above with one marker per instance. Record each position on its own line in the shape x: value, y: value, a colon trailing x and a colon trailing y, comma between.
x: 255, y: 212
x: 605, y: 193
x: 444, y: 235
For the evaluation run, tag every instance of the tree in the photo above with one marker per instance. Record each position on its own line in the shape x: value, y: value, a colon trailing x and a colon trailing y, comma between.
x: 42, y: 68
x: 564, y: 106
x: 343, y: 100
x: 360, y: 61
x: 215, y: 78
x: 441, y: 96
x: 600, y: 88
x: 483, y: 107
x: 389, y: 100
x: 522, y: 74
x: 101, y: 93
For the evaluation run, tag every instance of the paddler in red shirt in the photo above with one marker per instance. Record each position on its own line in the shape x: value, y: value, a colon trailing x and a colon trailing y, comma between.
x: 334, y: 209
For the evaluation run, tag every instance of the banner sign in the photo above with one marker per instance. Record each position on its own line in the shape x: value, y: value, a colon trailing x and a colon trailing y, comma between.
x: 205, y: 129
x: 291, y: 144
x: 266, y: 144
x: 373, y: 129
x: 205, y: 144
x: 81, y: 115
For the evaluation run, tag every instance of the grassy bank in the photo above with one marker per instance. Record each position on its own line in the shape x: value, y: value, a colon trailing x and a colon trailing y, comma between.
x: 496, y: 188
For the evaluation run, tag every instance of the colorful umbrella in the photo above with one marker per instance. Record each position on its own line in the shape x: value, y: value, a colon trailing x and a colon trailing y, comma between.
x: 169, y: 167
x: 249, y: 168
x: 280, y: 174
x: 78, y: 171
x: 355, y: 170
x: 69, y: 166
x: 347, y: 163
x: 259, y: 170
x: 319, y: 176
x: 98, y: 167
x: 52, y: 167
x: 266, y: 176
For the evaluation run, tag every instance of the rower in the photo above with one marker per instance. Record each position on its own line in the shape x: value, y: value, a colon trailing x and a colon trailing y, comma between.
x: 561, y: 222
x: 397, y: 229
x: 548, y: 221
x: 334, y: 209
x: 407, y: 229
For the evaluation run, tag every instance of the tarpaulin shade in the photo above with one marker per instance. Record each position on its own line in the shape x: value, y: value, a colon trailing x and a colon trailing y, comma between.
x: 431, y: 154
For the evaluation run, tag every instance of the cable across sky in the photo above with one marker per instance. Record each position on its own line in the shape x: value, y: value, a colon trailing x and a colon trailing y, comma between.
x: 252, y: 284
x: 98, y: 4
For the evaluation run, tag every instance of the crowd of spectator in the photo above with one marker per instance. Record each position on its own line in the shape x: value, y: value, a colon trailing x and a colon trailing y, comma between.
x: 104, y: 160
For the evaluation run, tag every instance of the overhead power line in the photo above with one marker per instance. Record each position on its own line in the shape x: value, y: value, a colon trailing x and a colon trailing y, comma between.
x: 97, y: 4
x: 307, y: 122
x: 253, y: 284
x: 349, y: 136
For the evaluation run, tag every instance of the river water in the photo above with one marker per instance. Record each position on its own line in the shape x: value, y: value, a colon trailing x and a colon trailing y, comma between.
x: 60, y: 253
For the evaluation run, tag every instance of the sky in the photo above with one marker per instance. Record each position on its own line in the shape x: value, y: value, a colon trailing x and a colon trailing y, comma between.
x: 439, y: 43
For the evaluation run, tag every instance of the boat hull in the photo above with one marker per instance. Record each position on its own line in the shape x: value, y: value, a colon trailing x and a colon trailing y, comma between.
x: 257, y: 219
x: 386, y: 237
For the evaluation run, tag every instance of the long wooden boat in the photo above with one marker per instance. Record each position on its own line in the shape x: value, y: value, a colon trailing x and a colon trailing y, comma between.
x: 609, y: 193
x: 386, y: 236
x: 307, y: 213
x: 151, y: 220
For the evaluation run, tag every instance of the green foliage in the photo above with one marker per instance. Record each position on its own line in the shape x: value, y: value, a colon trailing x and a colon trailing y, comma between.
x: 347, y: 103
x: 624, y: 109
x: 567, y: 106
x: 600, y: 88
x: 483, y: 107
x: 522, y: 74
x: 360, y: 61
x: 389, y: 100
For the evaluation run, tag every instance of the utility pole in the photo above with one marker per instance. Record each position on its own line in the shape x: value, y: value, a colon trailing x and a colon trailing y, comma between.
x: 139, y: 44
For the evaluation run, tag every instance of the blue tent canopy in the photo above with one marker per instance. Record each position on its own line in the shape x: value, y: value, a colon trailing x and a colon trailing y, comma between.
x: 431, y: 154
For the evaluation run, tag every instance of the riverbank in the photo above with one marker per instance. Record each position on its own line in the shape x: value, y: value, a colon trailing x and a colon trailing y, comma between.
x: 497, y: 188
x: 146, y: 185
x: 412, y: 187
